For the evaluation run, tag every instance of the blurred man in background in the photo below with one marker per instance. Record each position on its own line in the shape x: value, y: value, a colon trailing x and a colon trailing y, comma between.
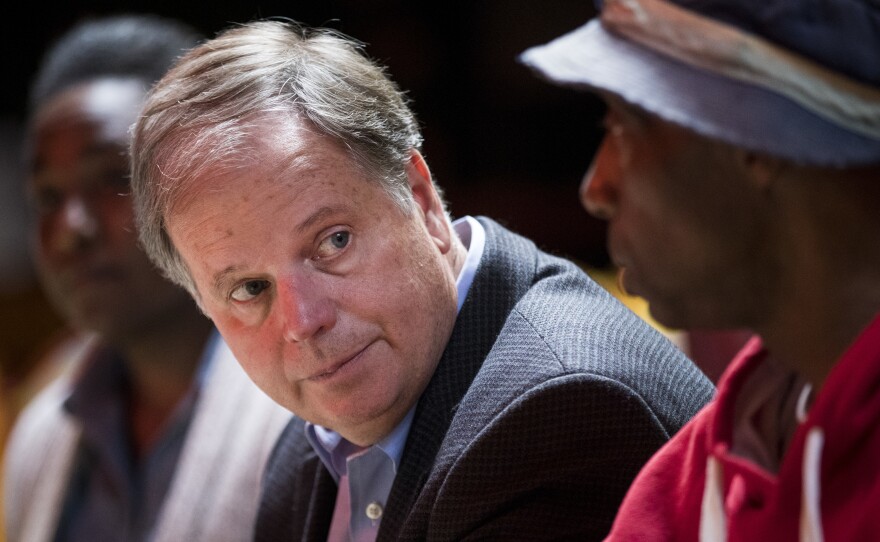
x: 153, y: 432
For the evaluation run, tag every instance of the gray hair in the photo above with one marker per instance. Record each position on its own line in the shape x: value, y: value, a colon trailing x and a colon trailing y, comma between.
x: 200, y: 114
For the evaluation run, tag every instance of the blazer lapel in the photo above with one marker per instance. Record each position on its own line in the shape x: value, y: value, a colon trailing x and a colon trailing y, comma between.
x: 502, y: 278
x: 298, y: 492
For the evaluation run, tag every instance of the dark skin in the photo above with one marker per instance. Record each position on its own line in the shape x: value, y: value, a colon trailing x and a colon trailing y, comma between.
x: 88, y: 256
x: 718, y: 237
x: 829, y: 224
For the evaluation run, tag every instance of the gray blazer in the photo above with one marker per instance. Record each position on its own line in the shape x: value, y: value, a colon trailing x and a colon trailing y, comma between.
x: 548, y: 399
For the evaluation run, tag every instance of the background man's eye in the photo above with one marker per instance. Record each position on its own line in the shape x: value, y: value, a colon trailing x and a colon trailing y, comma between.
x: 118, y: 184
x: 47, y: 201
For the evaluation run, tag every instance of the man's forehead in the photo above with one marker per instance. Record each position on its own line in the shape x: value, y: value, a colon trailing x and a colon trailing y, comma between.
x: 268, y: 152
x: 285, y: 143
x: 301, y: 169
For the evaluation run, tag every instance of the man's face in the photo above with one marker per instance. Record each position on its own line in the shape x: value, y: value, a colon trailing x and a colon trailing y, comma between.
x: 86, y: 246
x: 685, y: 225
x: 337, y: 303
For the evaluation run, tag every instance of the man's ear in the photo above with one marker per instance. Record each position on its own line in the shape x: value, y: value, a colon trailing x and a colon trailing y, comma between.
x: 428, y: 201
x: 761, y: 169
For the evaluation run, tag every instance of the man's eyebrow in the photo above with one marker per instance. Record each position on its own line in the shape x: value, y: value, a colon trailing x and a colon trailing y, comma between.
x: 37, y: 162
x: 318, y: 215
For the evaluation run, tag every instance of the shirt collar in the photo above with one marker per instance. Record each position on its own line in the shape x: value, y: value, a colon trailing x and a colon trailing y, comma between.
x: 473, y: 236
x: 333, y: 450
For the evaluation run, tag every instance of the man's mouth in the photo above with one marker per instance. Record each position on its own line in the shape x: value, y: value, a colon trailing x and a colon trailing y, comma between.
x: 333, y: 369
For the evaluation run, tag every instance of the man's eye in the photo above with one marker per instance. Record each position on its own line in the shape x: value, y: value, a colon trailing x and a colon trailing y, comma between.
x: 47, y: 200
x: 339, y: 239
x: 117, y: 184
x: 333, y: 243
x: 249, y: 290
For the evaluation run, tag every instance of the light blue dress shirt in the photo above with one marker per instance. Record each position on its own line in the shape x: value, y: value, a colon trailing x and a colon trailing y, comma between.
x: 371, y: 471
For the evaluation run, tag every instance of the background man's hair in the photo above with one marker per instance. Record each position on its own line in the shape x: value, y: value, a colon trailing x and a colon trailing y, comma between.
x: 141, y: 46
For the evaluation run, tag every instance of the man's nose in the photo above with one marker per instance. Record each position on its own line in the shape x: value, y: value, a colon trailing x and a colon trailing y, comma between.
x: 307, y: 311
x: 77, y: 225
x: 599, y: 189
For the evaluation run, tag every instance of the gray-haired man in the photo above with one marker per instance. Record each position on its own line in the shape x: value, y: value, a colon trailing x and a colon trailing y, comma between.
x: 453, y: 381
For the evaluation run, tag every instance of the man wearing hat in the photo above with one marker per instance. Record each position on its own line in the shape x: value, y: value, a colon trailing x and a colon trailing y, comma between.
x: 740, y: 176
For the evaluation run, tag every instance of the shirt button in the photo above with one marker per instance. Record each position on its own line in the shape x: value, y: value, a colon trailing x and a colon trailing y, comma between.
x: 374, y: 511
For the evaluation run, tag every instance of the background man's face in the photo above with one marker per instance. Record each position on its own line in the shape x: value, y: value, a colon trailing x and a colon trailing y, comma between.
x: 86, y: 244
x: 335, y: 302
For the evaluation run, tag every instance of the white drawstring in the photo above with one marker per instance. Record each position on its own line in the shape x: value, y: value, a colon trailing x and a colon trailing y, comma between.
x: 713, y: 522
x: 811, y: 513
x: 800, y: 410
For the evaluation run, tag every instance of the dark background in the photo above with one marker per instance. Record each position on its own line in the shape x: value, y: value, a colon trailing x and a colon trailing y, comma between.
x: 499, y: 140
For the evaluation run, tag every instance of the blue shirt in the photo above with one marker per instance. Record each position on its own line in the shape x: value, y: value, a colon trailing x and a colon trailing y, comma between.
x: 370, y: 471
x: 112, y: 495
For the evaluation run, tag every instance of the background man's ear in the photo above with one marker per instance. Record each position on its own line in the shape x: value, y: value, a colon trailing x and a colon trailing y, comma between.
x: 761, y: 168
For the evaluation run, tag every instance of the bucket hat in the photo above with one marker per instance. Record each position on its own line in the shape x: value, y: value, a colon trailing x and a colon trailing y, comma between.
x: 799, y: 79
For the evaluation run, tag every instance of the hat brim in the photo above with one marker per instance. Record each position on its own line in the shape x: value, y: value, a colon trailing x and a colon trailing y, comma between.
x: 717, y: 107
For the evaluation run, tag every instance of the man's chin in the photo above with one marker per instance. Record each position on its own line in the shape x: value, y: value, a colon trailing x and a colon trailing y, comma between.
x: 662, y: 311
x: 98, y: 316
